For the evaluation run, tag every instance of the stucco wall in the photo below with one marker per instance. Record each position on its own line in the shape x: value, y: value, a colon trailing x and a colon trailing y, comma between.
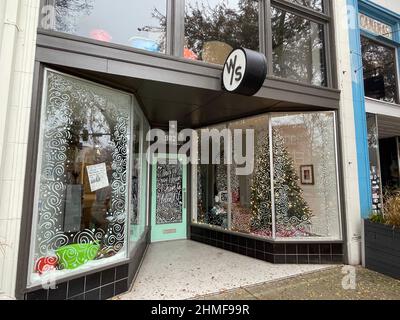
x: 2, y: 14
x: 348, y: 133
x: 18, y: 19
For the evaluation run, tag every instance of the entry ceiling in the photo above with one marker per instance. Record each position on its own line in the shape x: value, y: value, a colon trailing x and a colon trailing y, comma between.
x: 191, y: 107
x: 388, y: 126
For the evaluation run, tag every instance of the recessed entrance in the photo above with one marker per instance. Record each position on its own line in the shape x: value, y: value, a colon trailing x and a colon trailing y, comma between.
x: 185, y: 269
x: 169, y: 198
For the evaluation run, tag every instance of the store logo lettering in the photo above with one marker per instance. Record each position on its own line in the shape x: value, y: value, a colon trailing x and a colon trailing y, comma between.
x: 233, y: 70
x: 244, y: 72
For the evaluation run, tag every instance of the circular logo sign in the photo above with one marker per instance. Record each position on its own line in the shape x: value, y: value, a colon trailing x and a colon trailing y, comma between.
x: 244, y: 72
x: 234, y: 70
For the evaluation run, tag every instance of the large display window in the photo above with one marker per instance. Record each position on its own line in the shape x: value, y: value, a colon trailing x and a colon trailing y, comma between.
x: 137, y: 24
x: 213, y: 28
x: 294, y: 35
x: 211, y: 184
x: 292, y: 191
x: 88, y: 178
x: 306, y: 197
x: 298, y: 47
x: 251, y: 194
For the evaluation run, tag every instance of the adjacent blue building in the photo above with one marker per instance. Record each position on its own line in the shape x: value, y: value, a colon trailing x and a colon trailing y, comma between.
x: 374, y: 41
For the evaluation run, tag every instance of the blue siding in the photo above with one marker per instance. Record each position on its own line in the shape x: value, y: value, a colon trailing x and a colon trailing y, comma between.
x: 359, y: 110
x: 386, y: 16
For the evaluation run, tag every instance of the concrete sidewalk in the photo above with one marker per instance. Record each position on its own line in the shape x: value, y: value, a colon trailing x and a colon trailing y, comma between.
x: 319, y: 285
x: 185, y: 269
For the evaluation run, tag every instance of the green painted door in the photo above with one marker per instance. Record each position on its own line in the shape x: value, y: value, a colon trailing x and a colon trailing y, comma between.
x: 168, y: 199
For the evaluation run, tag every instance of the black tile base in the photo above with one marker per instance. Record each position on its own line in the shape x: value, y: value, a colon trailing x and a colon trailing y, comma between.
x: 97, y: 286
x: 279, y: 253
x: 121, y: 287
x: 92, y: 295
x: 76, y: 287
x: 107, y: 291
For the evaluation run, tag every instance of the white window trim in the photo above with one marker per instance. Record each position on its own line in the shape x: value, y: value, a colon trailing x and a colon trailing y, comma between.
x: 382, y: 107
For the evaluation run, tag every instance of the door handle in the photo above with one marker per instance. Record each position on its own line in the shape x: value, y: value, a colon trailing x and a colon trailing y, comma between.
x: 184, y: 199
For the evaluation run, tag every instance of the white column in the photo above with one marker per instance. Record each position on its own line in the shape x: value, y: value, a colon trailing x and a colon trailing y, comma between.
x: 18, y: 24
x: 348, y: 134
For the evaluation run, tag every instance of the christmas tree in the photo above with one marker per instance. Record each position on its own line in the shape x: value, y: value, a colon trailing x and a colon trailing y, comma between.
x: 292, y: 212
x: 260, y: 202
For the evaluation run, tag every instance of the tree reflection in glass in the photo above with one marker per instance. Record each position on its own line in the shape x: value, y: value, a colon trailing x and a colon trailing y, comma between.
x: 379, y: 71
x: 138, y: 24
x: 214, y: 27
x: 298, y: 48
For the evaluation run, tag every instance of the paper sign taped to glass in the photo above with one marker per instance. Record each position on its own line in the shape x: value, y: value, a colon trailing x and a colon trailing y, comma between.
x: 97, y: 175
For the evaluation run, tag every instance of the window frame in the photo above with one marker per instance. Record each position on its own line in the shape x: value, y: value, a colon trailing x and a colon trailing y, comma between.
x: 169, y: 43
x: 382, y: 15
x: 384, y: 41
x: 379, y: 40
x: 265, y: 34
x: 193, y: 213
x: 128, y: 253
x: 321, y: 18
x: 262, y: 28
x: 175, y: 34
x: 143, y: 180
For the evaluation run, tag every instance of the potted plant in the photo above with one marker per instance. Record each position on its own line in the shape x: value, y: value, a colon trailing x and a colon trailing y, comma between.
x: 382, y: 237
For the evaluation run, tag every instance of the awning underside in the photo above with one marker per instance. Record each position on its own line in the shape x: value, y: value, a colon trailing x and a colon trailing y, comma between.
x: 192, y: 107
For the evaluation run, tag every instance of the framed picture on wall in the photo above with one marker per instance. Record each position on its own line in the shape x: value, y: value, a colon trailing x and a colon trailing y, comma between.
x: 307, y: 174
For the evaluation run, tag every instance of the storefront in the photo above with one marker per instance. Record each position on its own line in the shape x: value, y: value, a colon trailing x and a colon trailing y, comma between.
x: 384, y: 157
x: 92, y: 200
x: 377, y: 100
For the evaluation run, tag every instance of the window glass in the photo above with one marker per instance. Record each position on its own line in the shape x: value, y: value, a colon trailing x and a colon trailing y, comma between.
x: 214, y: 27
x: 139, y: 24
x: 251, y: 194
x: 298, y: 48
x: 305, y: 175
x: 317, y: 5
x: 82, y: 188
x: 212, y: 182
x: 374, y: 161
x: 144, y: 195
x: 379, y: 65
x: 136, y: 139
x: 138, y: 183
x: 304, y: 189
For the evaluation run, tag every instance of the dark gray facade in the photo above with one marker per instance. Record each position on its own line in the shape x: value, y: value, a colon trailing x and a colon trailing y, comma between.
x: 169, y: 87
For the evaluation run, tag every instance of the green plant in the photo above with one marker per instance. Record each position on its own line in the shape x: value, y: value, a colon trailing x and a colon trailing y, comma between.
x: 377, y: 218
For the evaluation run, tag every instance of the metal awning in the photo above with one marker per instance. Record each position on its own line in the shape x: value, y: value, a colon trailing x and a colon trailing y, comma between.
x: 172, y: 88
